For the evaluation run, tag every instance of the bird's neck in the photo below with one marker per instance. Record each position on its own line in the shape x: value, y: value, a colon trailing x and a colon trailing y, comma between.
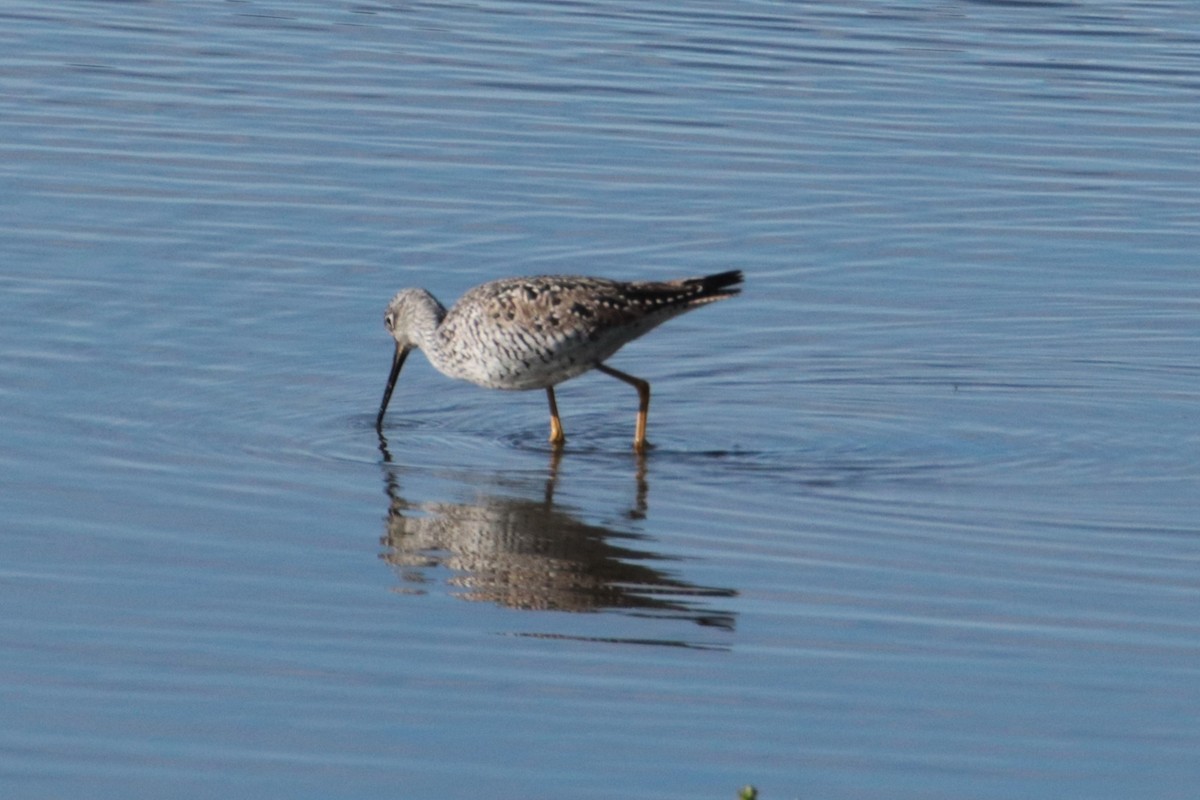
x: 424, y: 320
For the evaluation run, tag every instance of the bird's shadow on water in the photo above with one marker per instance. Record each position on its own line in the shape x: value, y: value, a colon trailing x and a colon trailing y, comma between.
x: 519, y: 548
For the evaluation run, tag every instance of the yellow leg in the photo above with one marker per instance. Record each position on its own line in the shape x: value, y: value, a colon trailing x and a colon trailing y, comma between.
x: 556, y: 431
x: 643, y: 390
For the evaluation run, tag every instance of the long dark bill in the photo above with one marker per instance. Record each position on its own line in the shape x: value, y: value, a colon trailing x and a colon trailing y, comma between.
x: 397, y: 363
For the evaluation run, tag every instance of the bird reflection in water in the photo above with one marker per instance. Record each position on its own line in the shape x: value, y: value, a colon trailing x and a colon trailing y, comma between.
x: 532, y: 554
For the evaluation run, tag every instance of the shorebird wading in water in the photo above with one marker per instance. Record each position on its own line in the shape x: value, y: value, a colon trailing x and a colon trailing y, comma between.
x: 535, y: 333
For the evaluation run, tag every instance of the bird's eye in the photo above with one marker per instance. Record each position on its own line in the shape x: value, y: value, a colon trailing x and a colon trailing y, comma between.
x: 388, y: 320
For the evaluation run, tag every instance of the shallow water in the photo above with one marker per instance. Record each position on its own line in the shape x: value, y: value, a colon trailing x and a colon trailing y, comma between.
x: 921, y: 515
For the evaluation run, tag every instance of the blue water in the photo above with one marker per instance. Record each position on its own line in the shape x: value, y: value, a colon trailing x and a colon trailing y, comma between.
x: 920, y: 520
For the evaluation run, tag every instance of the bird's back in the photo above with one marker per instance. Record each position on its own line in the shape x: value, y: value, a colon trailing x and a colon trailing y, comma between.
x: 529, y: 333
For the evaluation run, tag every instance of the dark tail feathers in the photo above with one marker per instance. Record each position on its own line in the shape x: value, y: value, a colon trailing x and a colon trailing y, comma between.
x: 717, y: 285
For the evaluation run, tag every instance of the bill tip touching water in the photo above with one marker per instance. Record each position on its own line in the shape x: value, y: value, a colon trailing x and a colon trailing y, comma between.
x: 536, y: 332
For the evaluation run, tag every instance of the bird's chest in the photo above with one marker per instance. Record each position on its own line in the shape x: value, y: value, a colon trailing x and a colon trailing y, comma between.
x: 502, y: 356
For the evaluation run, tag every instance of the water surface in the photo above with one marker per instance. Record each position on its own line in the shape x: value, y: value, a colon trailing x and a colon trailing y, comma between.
x: 920, y: 518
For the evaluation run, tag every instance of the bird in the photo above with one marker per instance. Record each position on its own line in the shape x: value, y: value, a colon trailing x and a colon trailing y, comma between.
x: 536, y: 332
